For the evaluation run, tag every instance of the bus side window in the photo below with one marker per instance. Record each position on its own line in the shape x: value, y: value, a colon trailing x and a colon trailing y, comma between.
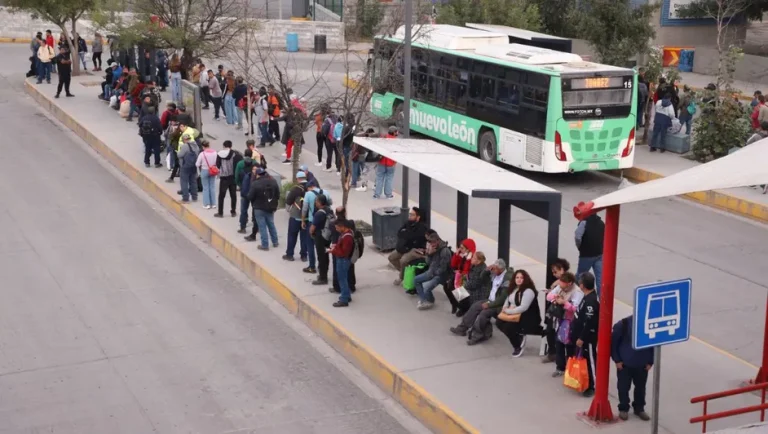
x: 488, y: 94
x: 509, y: 95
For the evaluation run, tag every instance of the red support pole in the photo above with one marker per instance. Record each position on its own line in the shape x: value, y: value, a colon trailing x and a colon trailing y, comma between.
x: 762, y: 373
x: 600, y: 410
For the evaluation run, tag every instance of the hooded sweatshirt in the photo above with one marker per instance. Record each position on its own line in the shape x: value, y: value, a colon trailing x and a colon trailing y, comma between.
x: 664, y: 113
x: 439, y: 262
x: 462, y: 263
x: 225, y: 162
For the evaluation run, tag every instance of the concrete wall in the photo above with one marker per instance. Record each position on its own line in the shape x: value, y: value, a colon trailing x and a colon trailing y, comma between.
x: 22, y: 26
x: 693, y: 35
x: 324, y: 14
x: 273, y: 32
x: 751, y: 69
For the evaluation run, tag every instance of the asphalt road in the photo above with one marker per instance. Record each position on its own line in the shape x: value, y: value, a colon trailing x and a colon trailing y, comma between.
x: 114, y: 321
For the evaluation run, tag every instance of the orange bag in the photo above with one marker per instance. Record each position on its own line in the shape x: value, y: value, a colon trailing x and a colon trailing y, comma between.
x: 576, y: 374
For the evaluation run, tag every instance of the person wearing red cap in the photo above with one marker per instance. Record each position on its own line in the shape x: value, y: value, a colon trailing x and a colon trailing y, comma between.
x: 461, y: 263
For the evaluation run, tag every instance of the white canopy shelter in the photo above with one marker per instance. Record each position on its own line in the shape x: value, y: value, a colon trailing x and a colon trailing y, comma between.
x: 748, y: 166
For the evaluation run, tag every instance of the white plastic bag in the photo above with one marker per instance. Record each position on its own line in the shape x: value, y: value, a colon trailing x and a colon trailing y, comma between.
x: 460, y: 293
x: 168, y: 161
x: 113, y: 102
x: 675, y: 127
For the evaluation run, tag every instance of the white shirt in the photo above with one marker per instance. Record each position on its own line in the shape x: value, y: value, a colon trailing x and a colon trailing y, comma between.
x: 496, y: 284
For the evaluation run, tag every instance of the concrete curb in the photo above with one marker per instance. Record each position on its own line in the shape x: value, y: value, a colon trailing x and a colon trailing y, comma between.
x: 714, y: 199
x: 431, y: 412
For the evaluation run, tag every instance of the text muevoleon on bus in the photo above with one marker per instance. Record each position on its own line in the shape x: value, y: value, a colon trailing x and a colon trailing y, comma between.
x: 533, y: 108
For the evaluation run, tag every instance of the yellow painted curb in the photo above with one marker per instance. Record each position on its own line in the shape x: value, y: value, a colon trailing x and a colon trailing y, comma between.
x: 714, y: 199
x: 431, y: 412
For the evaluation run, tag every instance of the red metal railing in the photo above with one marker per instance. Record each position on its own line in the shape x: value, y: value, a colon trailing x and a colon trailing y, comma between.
x: 704, y: 418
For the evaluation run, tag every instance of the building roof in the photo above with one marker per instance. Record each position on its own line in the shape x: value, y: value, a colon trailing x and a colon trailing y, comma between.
x: 457, y: 170
x: 743, y: 168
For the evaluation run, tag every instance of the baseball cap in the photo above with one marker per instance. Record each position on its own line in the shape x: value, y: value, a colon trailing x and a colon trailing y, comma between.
x: 113, y: 65
x: 303, y: 168
x: 261, y: 171
x: 301, y: 174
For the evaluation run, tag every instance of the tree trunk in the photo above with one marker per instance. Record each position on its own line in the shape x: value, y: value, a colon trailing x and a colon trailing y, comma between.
x: 346, y: 179
x: 187, y: 59
x: 296, y: 135
x: 73, y: 50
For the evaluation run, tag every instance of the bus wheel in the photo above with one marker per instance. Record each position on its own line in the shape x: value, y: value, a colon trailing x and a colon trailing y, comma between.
x: 486, y: 150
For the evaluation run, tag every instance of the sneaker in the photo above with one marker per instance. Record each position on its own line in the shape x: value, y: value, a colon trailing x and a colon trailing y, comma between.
x: 411, y: 292
x: 458, y: 331
x: 517, y: 352
x: 557, y: 373
x: 328, y: 169
x: 522, y: 342
x: 288, y: 258
x: 241, y: 231
x: 549, y: 358
x: 338, y: 173
x: 69, y: 95
x: 158, y: 165
x: 250, y: 238
x: 391, y: 197
x: 623, y: 415
x: 286, y: 161
x: 340, y: 304
x: 361, y: 188
x: 219, y: 215
x: 304, y: 259
x: 309, y: 270
x: 426, y: 305
x: 588, y: 393
x: 233, y: 214
x: 418, y: 304
x: 260, y: 247
x: 146, y: 165
x: 642, y: 416
x: 398, y: 282
x: 319, y: 282
x: 318, y: 164
x: 207, y: 207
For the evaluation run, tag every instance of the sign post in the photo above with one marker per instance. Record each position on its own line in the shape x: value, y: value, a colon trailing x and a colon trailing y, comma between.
x: 662, y: 316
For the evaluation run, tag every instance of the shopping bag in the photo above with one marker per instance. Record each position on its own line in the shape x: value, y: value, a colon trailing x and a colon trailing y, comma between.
x: 168, y: 161
x: 409, y: 275
x: 460, y: 293
x: 576, y: 374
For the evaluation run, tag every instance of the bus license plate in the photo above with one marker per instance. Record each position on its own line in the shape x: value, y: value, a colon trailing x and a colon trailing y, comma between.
x: 594, y: 166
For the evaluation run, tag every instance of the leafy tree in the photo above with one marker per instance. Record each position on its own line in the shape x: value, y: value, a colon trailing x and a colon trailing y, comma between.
x: 557, y: 17
x: 200, y: 28
x: 615, y: 29
x: 749, y: 9
x: 59, y: 13
x: 515, y: 13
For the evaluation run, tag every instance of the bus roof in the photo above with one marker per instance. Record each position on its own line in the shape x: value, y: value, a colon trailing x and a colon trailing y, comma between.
x: 515, y: 32
x: 476, y: 45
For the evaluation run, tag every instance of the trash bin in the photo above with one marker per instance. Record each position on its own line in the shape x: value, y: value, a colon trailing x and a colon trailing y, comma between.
x: 321, y: 46
x: 386, y: 223
x: 292, y: 42
x: 686, y: 61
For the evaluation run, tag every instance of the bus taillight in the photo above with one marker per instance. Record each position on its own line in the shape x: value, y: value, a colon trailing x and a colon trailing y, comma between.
x: 559, y: 153
x: 628, y: 149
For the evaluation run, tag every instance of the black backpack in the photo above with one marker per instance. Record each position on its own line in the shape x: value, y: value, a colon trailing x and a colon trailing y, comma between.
x: 145, y: 127
x: 359, y: 248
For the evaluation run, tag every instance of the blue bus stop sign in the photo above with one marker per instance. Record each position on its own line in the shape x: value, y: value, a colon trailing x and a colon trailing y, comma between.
x: 662, y: 314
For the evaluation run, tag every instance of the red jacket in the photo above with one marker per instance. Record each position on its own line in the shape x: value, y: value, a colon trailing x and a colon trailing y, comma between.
x: 345, y: 246
x: 136, y: 95
x: 49, y: 40
x: 464, y: 264
x: 754, y: 116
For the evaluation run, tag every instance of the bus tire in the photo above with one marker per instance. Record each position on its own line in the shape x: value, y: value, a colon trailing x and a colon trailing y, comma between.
x: 486, y: 148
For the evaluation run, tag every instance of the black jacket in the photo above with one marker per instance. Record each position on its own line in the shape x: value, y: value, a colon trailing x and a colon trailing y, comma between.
x: 589, y: 237
x: 264, y: 193
x: 156, y: 129
x: 585, y: 322
x: 411, y: 236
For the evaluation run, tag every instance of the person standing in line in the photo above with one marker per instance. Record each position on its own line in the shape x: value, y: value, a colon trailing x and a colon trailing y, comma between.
x: 215, y: 94
x: 342, y: 252
x: 662, y: 120
x: 151, y: 130
x: 307, y: 215
x: 239, y: 96
x: 294, y: 200
x: 584, y: 327
x: 589, y: 241
x: 97, y: 48
x: 385, y: 171
x: 274, y: 105
x: 558, y: 268
x: 161, y: 60
x: 205, y: 87
x: 320, y: 231
x: 319, y: 120
x: 49, y: 42
x: 264, y: 194
x: 175, y: 67
x: 341, y: 214
x: 205, y: 162
x: 64, y: 61
x: 632, y: 367
x: 45, y: 55
x: 260, y: 113
x: 243, y: 179
x: 565, y: 298
x: 331, y: 152
x: 187, y: 157
x: 82, y: 49
x: 226, y: 161
x: 230, y: 108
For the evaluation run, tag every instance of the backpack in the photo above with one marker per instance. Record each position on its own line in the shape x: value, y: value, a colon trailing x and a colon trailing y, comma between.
x: 273, y: 196
x: 190, y: 158
x: 331, y: 130
x: 298, y: 202
x: 321, y: 192
x: 145, y: 127
x: 330, y: 220
x: 691, y: 108
x: 359, y: 246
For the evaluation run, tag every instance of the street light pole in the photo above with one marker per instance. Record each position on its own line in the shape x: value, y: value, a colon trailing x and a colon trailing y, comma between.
x: 406, y: 129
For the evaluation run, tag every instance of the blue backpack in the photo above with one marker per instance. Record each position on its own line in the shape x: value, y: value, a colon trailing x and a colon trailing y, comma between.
x: 190, y: 158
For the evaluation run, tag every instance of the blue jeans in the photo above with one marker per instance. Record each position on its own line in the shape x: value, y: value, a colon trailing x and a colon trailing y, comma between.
x: 82, y: 59
x: 659, y: 135
x: 230, y: 110
x: 296, y: 233
x: 425, y: 284
x: 687, y: 124
x: 357, y: 169
x: 162, y: 77
x: 264, y: 131
x: 176, y: 87
x: 342, y: 272
x: 640, y: 114
x: 266, y: 222
x: 244, y: 205
x: 43, y: 72
x: 384, y: 177
x: 209, y: 188
x: 596, y: 264
x: 188, y: 182
x: 311, y: 249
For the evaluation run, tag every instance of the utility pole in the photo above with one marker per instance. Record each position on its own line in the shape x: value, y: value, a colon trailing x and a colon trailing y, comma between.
x: 406, y: 129
x: 247, y: 66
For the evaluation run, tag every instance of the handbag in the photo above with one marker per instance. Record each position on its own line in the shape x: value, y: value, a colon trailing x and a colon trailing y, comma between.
x: 556, y: 311
x: 460, y: 293
x: 212, y: 170
x: 576, y: 373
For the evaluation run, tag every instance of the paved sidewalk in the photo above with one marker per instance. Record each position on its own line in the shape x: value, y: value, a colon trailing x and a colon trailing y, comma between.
x: 449, y: 386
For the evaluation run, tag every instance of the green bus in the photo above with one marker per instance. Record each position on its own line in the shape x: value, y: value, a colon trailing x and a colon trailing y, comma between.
x: 528, y: 107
